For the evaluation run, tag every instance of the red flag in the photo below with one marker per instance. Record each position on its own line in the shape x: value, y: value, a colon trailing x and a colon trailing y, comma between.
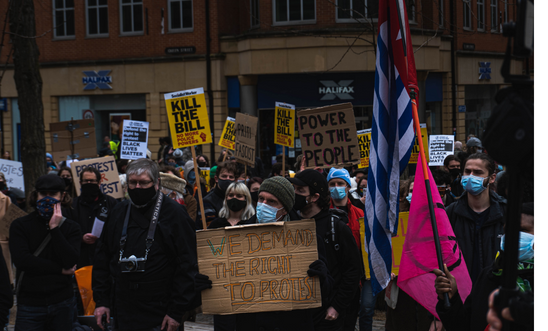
x: 419, y: 252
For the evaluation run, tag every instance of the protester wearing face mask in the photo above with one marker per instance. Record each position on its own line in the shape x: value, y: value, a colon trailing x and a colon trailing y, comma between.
x: 92, y: 204
x: 50, y: 164
x: 191, y: 185
x: 45, y: 297
x: 213, y: 201
x: 471, y: 315
x: 253, y: 185
x: 443, y: 182
x: 477, y: 217
x: 451, y: 164
x: 147, y: 257
x: 6, y: 190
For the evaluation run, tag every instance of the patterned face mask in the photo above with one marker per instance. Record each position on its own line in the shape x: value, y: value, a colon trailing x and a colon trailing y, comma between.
x: 45, y: 206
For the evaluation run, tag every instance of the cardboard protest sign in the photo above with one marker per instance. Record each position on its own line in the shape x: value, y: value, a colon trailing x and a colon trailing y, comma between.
x: 204, y: 173
x: 134, y: 140
x: 82, y: 138
x: 328, y: 136
x: 440, y: 147
x: 285, y: 124
x: 12, y: 213
x: 245, y: 138
x: 110, y: 182
x: 227, y: 137
x: 364, y: 138
x: 259, y: 267
x: 415, y: 154
x: 188, y: 119
x: 13, y: 171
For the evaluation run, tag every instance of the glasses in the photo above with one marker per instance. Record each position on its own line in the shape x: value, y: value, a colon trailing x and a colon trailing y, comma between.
x: 133, y: 183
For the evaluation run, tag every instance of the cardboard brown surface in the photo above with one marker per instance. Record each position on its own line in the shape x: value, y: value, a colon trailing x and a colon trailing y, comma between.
x: 110, y: 182
x: 259, y: 267
x: 83, y: 139
x: 12, y: 213
x: 328, y: 136
x: 245, y: 128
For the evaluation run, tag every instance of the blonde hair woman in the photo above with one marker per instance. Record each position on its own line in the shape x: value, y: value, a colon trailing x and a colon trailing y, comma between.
x: 237, y: 207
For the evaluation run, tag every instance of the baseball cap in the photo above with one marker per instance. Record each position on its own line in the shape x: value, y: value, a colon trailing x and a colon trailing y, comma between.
x: 315, y: 181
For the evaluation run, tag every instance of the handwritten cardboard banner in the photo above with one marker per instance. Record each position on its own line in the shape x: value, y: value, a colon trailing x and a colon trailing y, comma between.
x: 188, y: 119
x: 110, y: 182
x: 440, y: 147
x: 259, y: 267
x: 245, y: 138
x: 328, y: 136
x: 364, y: 139
x: 134, y: 140
x: 13, y: 171
x: 285, y: 124
x: 82, y: 138
x: 415, y: 153
x: 227, y: 137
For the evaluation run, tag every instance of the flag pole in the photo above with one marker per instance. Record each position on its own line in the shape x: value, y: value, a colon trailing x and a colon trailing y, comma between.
x: 422, y: 156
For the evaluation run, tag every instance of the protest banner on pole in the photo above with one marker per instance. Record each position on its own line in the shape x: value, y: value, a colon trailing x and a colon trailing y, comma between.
x: 328, y: 136
x: 440, y: 147
x: 259, y: 267
x: 69, y: 136
x: 285, y: 124
x: 415, y: 153
x: 227, y: 137
x: 188, y: 119
x: 189, y: 126
x: 204, y: 173
x: 110, y: 182
x: 245, y: 138
x: 364, y: 138
x: 134, y: 140
x: 13, y: 172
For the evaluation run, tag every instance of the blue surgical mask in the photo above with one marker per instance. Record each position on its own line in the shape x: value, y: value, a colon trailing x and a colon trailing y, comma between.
x: 338, y: 192
x: 191, y: 177
x: 266, y: 213
x: 409, y: 197
x: 526, y: 242
x: 473, y: 184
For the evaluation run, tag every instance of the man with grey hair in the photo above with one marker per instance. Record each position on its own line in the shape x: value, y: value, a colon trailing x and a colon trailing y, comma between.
x: 149, y: 249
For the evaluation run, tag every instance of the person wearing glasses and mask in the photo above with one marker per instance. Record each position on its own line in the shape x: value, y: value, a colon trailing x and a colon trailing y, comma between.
x: 149, y: 249
x: 90, y: 206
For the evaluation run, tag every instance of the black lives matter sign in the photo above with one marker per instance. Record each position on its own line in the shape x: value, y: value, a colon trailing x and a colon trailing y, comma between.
x: 134, y: 140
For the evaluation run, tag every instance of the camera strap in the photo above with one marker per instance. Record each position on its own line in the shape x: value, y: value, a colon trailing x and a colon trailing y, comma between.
x: 151, y: 227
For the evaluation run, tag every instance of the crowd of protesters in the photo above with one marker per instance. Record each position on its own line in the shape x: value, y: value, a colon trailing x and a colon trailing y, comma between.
x: 145, y: 269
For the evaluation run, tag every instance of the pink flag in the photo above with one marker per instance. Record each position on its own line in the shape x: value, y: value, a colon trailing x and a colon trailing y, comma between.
x: 419, y: 252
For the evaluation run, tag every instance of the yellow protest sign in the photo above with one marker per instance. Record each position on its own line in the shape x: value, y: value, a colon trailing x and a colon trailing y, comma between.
x: 204, y: 173
x: 364, y: 139
x: 188, y: 119
x: 227, y: 137
x: 285, y: 124
x: 415, y: 153
x: 397, y: 244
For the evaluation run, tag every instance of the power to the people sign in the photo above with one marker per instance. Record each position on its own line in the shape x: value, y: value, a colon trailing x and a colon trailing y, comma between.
x: 188, y: 119
x: 259, y: 267
x: 285, y: 124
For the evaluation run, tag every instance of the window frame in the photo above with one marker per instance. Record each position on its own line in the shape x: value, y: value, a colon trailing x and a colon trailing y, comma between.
x: 466, y: 15
x: 98, y: 34
x: 353, y: 19
x: 411, y: 20
x: 442, y: 14
x: 480, y: 15
x: 131, y: 4
x: 179, y: 30
x: 288, y: 22
x: 251, y: 14
x: 64, y: 9
x: 494, y: 4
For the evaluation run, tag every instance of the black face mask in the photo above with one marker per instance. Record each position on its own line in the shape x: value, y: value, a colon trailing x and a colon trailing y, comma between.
x: 236, y: 205
x: 142, y: 196
x: 255, y: 196
x: 224, y: 184
x: 300, y: 201
x: 90, y: 190
x: 454, y: 172
x: 202, y: 164
x: 67, y: 181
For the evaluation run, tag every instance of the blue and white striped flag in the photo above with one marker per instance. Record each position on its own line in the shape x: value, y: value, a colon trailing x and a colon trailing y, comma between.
x: 392, y: 137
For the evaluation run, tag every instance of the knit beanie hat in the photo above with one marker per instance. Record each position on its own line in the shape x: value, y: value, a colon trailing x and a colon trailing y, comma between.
x: 282, y: 189
x: 339, y: 173
x: 172, y: 182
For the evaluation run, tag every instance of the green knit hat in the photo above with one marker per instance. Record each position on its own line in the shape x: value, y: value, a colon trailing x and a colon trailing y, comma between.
x: 282, y: 189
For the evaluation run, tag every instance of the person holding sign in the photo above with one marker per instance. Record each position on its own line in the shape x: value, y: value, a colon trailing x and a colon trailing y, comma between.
x: 149, y: 249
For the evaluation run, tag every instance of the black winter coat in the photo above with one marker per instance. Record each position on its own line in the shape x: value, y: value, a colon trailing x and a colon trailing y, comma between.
x: 142, y: 299
x: 464, y: 226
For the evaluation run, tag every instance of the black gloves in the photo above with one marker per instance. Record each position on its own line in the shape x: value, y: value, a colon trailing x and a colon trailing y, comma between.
x: 318, y: 268
x: 202, y: 282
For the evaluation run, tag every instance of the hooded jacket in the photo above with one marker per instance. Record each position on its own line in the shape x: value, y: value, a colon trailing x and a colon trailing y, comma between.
x: 354, y: 214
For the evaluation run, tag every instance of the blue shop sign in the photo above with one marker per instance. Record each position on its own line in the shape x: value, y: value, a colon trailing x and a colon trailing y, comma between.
x: 97, y: 79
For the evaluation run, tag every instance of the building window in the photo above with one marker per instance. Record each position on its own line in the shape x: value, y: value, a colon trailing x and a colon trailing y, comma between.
x: 481, y: 14
x: 494, y: 15
x: 441, y: 13
x: 467, y: 15
x: 254, y: 5
x: 97, y: 17
x: 410, y: 6
x: 294, y: 11
x: 505, y: 11
x: 63, y: 16
x: 357, y: 10
x: 131, y: 17
x: 180, y: 15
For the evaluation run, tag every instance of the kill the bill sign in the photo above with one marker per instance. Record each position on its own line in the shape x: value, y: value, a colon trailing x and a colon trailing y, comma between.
x: 188, y: 119
x: 285, y: 124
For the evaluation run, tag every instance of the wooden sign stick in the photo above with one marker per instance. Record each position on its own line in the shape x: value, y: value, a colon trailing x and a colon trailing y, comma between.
x: 283, y: 161
x: 199, y: 184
